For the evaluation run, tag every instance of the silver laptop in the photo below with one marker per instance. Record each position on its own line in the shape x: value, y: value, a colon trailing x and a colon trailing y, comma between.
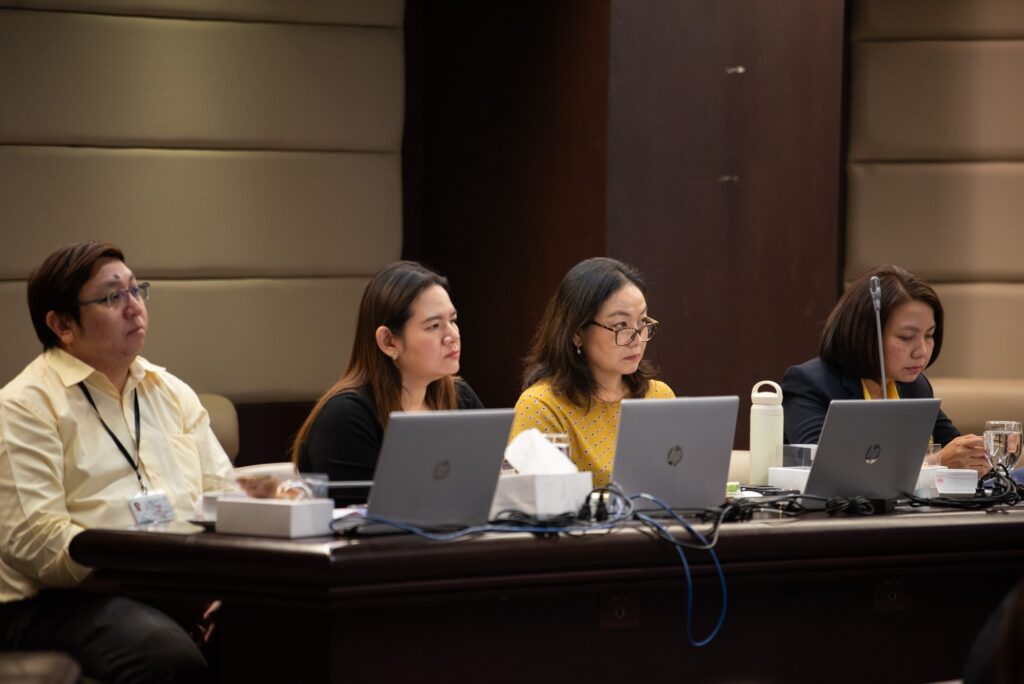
x: 676, y: 449
x: 439, y: 469
x: 872, y: 449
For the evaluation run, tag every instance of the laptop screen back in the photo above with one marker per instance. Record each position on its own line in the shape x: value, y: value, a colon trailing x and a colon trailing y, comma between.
x: 439, y: 469
x: 676, y: 449
x: 872, y: 448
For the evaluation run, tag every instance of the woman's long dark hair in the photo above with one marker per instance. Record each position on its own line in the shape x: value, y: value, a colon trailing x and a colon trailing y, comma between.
x: 553, y: 357
x: 387, y: 300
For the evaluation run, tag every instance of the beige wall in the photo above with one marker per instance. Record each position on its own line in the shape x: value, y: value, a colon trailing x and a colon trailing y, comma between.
x: 936, y: 174
x: 246, y: 155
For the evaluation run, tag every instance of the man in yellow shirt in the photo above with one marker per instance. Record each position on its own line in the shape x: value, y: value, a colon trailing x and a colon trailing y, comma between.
x: 93, y: 435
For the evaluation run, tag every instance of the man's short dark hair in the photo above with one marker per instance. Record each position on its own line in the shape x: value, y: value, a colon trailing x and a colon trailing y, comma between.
x: 56, y: 284
x: 849, y: 340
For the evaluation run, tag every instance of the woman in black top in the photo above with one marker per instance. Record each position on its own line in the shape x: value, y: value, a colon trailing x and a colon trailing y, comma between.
x: 404, y: 358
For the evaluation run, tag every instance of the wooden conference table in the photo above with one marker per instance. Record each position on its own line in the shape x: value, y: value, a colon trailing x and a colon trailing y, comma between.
x: 887, y: 598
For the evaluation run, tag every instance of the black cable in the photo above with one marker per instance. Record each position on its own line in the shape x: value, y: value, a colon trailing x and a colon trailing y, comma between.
x: 572, y: 523
x: 853, y: 505
x: 1005, y: 492
x: 737, y: 510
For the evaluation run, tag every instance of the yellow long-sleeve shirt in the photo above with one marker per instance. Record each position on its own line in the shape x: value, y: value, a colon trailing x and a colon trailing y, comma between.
x: 592, y: 434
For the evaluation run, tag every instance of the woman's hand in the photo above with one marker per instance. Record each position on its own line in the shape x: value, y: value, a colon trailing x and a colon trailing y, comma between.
x: 966, y: 451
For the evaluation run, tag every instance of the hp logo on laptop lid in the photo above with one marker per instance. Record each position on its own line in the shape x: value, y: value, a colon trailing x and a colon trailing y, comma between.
x: 442, y: 469
x: 872, y: 454
x: 675, y: 455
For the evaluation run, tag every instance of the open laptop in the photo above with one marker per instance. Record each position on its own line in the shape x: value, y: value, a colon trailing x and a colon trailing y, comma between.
x: 676, y: 449
x: 439, y: 469
x: 872, y: 449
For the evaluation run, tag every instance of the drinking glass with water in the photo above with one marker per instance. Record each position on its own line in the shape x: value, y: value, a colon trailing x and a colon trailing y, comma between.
x: 1003, y: 443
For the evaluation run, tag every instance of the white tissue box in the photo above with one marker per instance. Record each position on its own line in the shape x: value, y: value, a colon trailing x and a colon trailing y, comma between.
x: 789, y: 477
x: 275, y: 517
x: 543, y: 496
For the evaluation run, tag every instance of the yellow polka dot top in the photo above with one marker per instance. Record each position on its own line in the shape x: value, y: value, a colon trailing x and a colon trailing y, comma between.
x: 592, y: 434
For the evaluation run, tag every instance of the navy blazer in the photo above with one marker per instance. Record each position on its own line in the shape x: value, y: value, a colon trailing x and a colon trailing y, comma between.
x: 808, y: 388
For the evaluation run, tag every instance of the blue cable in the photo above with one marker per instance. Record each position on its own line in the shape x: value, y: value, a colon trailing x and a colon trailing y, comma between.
x: 493, y: 527
x: 686, y: 566
x: 627, y: 512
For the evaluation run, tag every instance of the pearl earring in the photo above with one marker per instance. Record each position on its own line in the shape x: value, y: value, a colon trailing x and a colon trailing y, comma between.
x: 579, y: 350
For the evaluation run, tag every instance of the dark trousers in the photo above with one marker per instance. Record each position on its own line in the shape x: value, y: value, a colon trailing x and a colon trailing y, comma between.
x: 114, y: 639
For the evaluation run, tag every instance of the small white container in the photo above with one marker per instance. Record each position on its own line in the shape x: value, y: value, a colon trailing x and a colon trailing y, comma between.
x: 926, y: 481
x: 956, y: 481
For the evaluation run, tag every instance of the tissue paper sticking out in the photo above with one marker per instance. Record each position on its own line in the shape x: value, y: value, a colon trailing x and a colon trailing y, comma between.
x: 547, y: 484
x: 531, y: 454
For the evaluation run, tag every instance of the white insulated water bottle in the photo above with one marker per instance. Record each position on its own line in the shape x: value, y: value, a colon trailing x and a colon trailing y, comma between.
x: 766, y: 429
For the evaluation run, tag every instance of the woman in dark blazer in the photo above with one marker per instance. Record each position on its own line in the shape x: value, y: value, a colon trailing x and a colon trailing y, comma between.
x: 847, y: 363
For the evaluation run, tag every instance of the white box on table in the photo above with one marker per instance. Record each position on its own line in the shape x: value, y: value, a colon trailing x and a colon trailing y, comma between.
x: 274, y: 517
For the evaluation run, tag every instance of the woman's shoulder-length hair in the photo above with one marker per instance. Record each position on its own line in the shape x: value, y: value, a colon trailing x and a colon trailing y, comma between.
x: 553, y: 357
x: 849, y: 340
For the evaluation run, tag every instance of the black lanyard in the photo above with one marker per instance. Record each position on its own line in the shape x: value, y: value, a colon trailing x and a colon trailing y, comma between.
x: 138, y: 433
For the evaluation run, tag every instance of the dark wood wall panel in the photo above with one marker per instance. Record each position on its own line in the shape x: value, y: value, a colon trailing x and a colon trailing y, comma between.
x: 542, y: 133
x: 723, y: 180
x: 669, y: 130
x: 505, y: 157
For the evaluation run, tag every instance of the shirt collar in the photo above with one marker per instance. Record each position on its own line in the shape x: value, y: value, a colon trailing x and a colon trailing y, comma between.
x: 71, y: 370
x: 890, y: 387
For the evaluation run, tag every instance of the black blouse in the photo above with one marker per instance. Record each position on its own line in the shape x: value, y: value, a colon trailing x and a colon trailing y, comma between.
x: 345, y: 439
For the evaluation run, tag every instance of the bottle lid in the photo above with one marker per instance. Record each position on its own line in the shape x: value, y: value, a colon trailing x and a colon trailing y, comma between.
x: 766, y: 397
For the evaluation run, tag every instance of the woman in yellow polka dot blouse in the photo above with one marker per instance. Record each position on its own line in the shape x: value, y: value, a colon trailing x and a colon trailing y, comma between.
x: 587, y: 356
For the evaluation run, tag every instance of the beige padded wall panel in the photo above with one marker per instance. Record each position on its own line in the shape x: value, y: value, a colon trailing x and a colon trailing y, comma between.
x: 245, y: 153
x: 937, y: 100
x: 983, y: 330
x: 126, y: 81
x: 250, y: 340
x: 350, y: 12
x: 182, y: 213
x: 952, y: 222
x: 20, y: 344
x: 255, y: 340
x: 936, y: 182
x: 903, y: 19
x: 970, y: 402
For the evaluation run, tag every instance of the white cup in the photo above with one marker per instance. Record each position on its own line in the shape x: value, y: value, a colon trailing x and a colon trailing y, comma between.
x: 931, y: 455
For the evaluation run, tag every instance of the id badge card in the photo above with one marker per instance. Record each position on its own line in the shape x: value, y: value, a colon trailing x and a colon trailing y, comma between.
x: 151, y: 508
